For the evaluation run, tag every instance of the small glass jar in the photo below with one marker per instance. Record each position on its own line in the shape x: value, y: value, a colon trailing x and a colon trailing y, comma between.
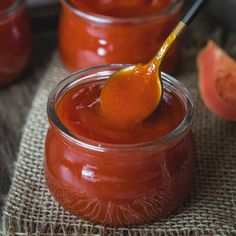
x: 15, y: 40
x: 88, y: 39
x: 118, y: 184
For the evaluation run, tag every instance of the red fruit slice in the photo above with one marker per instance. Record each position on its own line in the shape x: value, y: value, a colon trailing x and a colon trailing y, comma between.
x: 217, y: 81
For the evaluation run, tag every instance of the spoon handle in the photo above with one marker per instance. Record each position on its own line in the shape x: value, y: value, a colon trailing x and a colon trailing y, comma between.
x: 186, y: 20
x: 193, y: 11
x: 189, y: 16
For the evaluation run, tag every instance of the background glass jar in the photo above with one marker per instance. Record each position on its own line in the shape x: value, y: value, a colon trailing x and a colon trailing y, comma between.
x: 15, y: 40
x: 88, y: 39
x: 117, y: 184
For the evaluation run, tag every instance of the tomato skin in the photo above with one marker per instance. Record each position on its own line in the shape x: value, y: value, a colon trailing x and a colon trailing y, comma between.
x: 217, y: 81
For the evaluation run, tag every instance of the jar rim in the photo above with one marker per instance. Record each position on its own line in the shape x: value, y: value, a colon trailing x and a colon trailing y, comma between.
x: 12, y: 8
x: 70, y: 81
x: 104, y: 19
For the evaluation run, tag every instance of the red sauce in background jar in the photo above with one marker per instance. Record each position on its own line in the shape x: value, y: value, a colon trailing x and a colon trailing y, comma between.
x: 104, y: 32
x: 15, y: 40
x: 122, y: 8
x: 116, y: 176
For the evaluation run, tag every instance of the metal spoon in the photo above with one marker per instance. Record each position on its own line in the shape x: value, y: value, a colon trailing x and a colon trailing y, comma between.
x: 132, y: 94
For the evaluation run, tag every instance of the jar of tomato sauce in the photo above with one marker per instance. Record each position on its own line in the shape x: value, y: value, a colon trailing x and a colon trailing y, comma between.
x: 126, y: 31
x: 115, y: 176
x: 15, y: 40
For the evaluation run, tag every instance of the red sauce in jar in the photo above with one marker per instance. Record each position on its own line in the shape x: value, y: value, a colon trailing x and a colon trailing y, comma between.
x: 78, y: 110
x: 116, y: 176
x: 122, y: 8
x: 5, y: 4
x: 134, y: 32
x: 15, y: 40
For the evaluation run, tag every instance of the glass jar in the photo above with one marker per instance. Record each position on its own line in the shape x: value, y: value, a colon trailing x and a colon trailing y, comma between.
x: 118, y: 184
x: 88, y: 39
x: 15, y: 40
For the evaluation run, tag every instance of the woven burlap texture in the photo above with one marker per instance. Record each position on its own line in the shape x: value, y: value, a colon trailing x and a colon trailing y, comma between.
x: 210, y: 210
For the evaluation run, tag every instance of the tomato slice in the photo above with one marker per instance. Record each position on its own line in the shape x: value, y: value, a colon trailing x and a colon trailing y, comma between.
x: 217, y: 81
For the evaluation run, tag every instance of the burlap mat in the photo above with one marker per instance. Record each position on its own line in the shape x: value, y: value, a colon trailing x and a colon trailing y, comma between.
x: 210, y: 210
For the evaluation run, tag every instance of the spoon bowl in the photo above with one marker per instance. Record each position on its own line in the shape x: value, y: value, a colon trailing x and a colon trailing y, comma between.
x: 131, y: 94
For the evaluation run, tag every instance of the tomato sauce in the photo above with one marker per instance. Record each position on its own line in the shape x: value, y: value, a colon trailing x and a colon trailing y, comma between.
x: 15, y: 40
x: 100, y: 32
x: 5, y: 4
x: 112, y: 175
x: 122, y: 8
x: 78, y: 110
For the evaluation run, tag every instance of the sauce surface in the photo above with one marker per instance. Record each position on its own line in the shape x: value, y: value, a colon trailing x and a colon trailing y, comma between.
x: 122, y: 8
x: 78, y: 110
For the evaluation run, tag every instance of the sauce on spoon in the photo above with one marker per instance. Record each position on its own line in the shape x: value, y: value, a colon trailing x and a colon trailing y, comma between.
x: 132, y: 94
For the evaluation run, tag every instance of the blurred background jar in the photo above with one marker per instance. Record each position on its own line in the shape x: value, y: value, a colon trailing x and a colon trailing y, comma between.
x: 15, y: 40
x: 126, y: 31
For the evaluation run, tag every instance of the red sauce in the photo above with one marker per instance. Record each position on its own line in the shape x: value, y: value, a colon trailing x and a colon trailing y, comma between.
x: 122, y: 8
x: 78, y: 109
x: 15, y: 42
x: 5, y: 4
x: 84, y: 42
x: 117, y: 185
x: 131, y: 95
